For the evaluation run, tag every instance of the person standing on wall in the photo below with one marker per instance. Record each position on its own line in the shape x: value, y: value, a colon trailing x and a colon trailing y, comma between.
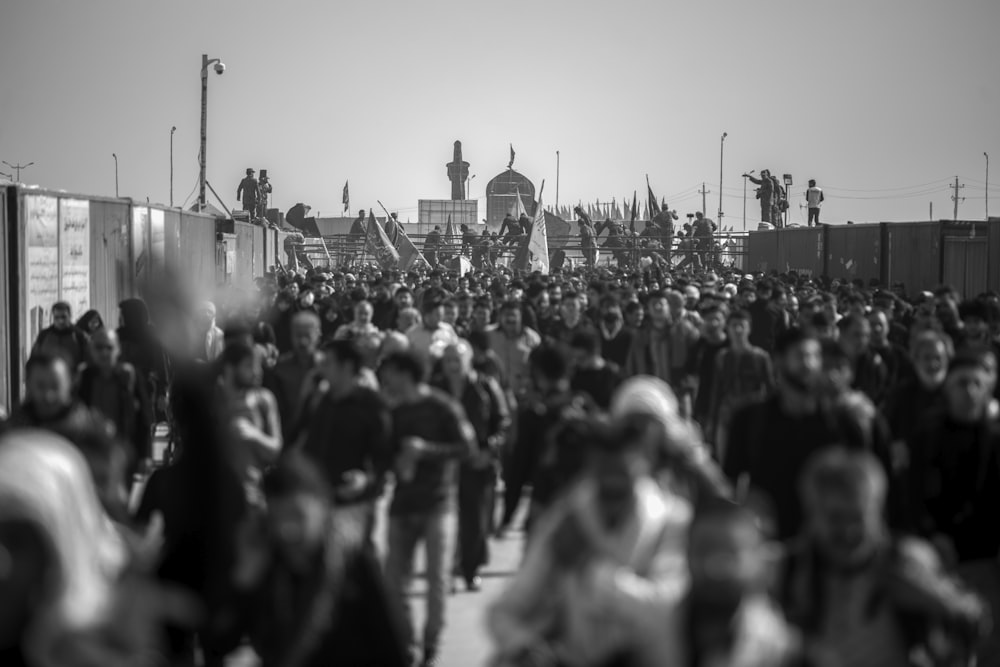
x: 248, y: 192
x: 814, y: 199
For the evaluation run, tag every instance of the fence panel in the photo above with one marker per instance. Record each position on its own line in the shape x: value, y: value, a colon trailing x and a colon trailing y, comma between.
x: 913, y: 255
x: 800, y: 249
x: 854, y: 252
x: 111, y: 272
x: 762, y: 251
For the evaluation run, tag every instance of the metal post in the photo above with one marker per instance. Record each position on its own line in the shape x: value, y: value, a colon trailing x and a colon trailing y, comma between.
x: 172, y: 130
x: 115, y: 156
x: 744, y: 202
x: 987, y: 155
x: 204, y: 122
x: 722, y: 147
x: 557, y: 179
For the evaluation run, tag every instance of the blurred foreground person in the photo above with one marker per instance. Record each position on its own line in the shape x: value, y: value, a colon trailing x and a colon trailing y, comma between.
x: 860, y: 596
x: 769, y: 442
x: 615, y: 524
x: 312, y: 595
x: 67, y: 595
x: 202, y: 501
x: 649, y: 409
x: 430, y: 435
x: 486, y: 409
x: 955, y: 472
x: 252, y: 413
x: 533, y: 461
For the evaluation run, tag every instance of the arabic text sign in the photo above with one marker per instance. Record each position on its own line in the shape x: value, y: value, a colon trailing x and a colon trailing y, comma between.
x: 74, y: 251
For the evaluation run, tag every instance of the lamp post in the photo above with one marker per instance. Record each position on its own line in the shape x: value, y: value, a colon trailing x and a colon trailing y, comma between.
x: 722, y: 148
x: 115, y: 156
x: 557, y: 180
x: 987, y: 156
x: 745, y: 177
x: 219, y: 69
x: 17, y: 169
x: 172, y: 130
x: 468, y: 186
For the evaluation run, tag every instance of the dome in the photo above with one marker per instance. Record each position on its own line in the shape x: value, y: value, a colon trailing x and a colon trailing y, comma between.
x: 509, y: 182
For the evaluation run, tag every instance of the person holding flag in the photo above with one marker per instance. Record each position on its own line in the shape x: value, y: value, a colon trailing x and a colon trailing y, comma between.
x: 533, y: 253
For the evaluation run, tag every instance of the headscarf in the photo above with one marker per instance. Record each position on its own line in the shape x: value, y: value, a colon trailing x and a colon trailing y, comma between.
x: 682, y: 451
x: 46, y: 481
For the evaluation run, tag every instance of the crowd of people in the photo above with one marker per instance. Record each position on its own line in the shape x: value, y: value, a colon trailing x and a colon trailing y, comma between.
x: 737, y: 470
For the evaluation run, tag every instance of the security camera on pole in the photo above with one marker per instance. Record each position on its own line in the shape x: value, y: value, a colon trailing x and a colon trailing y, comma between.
x: 220, y: 67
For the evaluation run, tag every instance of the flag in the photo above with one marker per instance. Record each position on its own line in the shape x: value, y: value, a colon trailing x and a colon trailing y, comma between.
x: 510, y: 165
x: 635, y: 212
x: 533, y: 253
x: 654, y: 208
x: 518, y: 210
x: 449, y: 232
x: 346, y: 198
x: 408, y: 253
x: 377, y: 244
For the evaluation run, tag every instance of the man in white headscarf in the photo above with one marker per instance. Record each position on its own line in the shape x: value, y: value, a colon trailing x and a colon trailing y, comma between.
x: 616, y: 534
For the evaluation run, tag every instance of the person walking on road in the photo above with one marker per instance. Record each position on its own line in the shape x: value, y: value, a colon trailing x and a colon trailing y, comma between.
x: 430, y: 435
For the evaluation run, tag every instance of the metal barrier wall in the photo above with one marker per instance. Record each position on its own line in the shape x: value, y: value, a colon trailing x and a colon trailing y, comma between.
x: 6, y: 285
x: 920, y: 255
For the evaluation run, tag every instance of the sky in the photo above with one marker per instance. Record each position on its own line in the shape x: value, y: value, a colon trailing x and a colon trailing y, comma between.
x: 883, y: 102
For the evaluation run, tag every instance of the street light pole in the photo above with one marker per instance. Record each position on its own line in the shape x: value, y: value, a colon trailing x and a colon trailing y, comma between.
x: 745, y: 177
x: 722, y: 148
x: 17, y: 168
x: 115, y: 156
x: 987, y: 184
x: 172, y: 130
x: 557, y: 180
x: 219, y: 68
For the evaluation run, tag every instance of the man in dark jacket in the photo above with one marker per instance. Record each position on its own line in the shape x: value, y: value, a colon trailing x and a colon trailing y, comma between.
x: 112, y: 387
x: 955, y: 473
x: 770, y: 442
x: 313, y: 596
x: 141, y: 349
x: 63, y: 338
x: 345, y: 428
x: 431, y: 245
x: 430, y: 436
x: 50, y: 405
x: 768, y: 315
x: 530, y: 461
x: 287, y: 380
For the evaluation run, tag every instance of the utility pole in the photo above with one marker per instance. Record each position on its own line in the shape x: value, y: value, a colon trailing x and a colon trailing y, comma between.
x: 955, y: 198
x: 704, y: 192
x: 932, y: 212
x: 557, y: 180
x: 722, y: 148
x: 17, y: 168
x: 987, y: 156
x: 172, y: 130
